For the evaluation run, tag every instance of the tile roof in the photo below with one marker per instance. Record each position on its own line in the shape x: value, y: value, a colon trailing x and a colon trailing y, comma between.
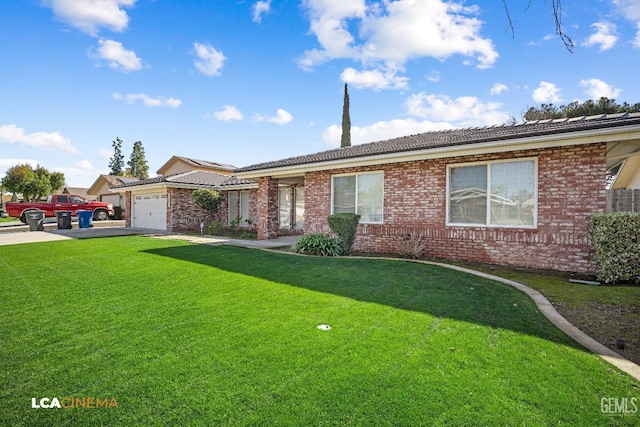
x: 456, y: 137
x: 196, y: 177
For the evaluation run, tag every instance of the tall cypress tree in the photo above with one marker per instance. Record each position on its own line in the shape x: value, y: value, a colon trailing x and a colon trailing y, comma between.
x: 345, y: 141
x: 138, y: 166
x: 116, y: 163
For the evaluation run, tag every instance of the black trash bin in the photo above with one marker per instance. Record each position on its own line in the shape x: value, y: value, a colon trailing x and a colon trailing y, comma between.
x: 64, y: 220
x: 35, y: 219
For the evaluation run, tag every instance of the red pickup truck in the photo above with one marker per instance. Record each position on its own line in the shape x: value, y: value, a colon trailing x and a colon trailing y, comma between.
x: 61, y: 202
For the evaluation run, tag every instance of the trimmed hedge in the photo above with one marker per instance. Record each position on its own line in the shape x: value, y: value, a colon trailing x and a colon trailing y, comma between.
x: 345, y: 225
x: 617, y: 240
x: 317, y: 244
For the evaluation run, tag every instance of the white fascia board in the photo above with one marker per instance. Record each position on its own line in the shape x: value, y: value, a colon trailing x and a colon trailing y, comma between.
x: 238, y: 187
x: 500, y: 146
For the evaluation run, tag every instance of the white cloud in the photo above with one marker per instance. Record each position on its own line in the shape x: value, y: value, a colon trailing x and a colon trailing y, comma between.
x: 630, y: 9
x: 210, y: 61
x: 91, y: 15
x: 373, y: 79
x: 148, y: 101
x: 84, y: 165
x: 597, y: 89
x: 604, y: 36
x: 259, y: 9
x: 385, y: 35
x: 79, y: 175
x: 434, y: 77
x: 498, y: 88
x: 12, y: 134
x: 382, y: 130
x: 282, y: 117
x: 228, y: 113
x: 464, y: 111
x: 117, y: 56
x: 546, y: 93
x: 104, y: 153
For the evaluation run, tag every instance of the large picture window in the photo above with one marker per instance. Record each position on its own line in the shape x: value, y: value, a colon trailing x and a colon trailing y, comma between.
x: 361, y: 194
x: 495, y: 194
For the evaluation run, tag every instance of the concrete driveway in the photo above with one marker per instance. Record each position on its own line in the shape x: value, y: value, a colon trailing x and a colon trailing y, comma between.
x: 15, y: 236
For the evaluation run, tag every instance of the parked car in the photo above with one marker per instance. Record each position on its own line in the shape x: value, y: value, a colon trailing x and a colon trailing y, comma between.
x: 61, y: 202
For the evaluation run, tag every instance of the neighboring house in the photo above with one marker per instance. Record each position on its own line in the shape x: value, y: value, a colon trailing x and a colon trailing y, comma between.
x: 101, y: 189
x: 518, y: 195
x: 628, y: 175
x: 79, y: 191
x: 164, y: 202
x: 178, y: 164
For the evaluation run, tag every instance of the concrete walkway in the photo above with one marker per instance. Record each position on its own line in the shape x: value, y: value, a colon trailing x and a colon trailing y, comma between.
x: 20, y: 237
x: 16, y: 235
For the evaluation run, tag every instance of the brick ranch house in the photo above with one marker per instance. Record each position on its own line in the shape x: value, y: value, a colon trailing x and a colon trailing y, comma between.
x: 164, y: 202
x: 519, y: 195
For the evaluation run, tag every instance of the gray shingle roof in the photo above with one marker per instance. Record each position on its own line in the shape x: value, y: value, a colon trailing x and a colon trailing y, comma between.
x: 197, y: 177
x: 455, y: 137
x: 208, y: 164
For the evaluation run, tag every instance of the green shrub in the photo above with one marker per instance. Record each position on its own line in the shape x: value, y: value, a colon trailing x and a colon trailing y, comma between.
x: 209, y: 200
x: 215, y: 228
x: 345, y: 225
x: 318, y: 244
x: 617, y: 240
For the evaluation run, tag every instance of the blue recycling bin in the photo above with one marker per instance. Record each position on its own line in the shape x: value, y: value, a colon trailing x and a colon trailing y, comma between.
x: 85, y: 219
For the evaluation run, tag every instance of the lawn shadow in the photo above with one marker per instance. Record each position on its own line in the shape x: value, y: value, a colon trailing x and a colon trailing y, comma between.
x: 434, y: 290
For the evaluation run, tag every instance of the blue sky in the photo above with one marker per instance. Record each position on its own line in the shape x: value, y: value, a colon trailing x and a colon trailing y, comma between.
x: 242, y: 82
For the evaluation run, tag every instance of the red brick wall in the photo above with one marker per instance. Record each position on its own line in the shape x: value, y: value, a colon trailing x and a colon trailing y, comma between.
x: 571, y: 186
x: 183, y: 214
x: 127, y: 209
x: 267, y: 208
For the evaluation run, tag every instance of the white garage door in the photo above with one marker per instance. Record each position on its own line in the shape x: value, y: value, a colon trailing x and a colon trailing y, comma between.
x: 150, y: 211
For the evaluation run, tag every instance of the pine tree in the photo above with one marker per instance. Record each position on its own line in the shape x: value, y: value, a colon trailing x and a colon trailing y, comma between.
x: 138, y: 166
x: 116, y: 163
x: 345, y: 141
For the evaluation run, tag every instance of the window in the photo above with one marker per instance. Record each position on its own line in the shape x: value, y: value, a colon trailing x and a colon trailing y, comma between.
x: 238, y: 208
x: 234, y: 212
x: 244, y: 208
x: 510, y: 202
x: 284, y: 207
x: 298, y: 197
x: 361, y: 194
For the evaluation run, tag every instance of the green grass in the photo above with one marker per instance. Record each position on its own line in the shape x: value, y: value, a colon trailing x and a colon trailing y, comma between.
x: 184, y: 334
x: 8, y: 219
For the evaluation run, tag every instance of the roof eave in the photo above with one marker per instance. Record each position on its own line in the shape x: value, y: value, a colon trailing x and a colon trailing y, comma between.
x: 591, y: 136
x: 161, y: 185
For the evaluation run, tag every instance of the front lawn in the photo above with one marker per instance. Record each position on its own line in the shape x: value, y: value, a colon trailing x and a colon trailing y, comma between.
x: 182, y: 334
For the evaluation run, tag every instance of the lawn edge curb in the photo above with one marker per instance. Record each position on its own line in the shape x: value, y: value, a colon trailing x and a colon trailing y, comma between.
x: 543, y: 304
x: 547, y: 309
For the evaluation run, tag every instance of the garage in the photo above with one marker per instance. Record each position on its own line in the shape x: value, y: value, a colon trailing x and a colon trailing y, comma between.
x: 149, y: 210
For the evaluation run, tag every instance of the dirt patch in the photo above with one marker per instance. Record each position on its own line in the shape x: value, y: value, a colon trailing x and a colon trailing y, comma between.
x: 607, y: 323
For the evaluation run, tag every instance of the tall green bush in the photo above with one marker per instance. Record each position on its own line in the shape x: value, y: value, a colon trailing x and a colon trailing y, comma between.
x: 617, y: 240
x: 345, y: 226
x: 209, y: 200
